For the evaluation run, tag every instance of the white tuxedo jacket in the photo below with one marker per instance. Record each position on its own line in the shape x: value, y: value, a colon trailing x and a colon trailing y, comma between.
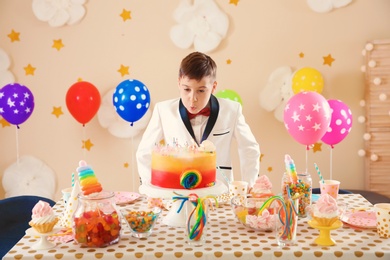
x: 169, y: 121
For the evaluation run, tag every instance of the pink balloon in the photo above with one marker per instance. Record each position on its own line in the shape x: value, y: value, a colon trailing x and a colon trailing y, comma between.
x: 307, y: 117
x: 340, y: 123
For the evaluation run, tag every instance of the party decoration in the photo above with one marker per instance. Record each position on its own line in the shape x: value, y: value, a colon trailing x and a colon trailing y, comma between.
x: 340, y: 123
x: 126, y: 15
x: 6, y: 76
x: 201, y: 24
x: 307, y: 117
x: 116, y: 125
x: 307, y: 79
x: 16, y: 103
x: 14, y: 36
x: 229, y: 94
x: 29, y: 70
x: 131, y: 100
x: 83, y: 101
x: 324, y: 6
x: 59, y: 12
x: 328, y: 60
x: 277, y: 91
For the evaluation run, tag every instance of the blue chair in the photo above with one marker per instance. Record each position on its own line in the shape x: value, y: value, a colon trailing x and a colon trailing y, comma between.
x: 15, y: 213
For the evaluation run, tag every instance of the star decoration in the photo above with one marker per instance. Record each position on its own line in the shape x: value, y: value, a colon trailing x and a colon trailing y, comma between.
x: 228, y: 61
x: 234, y: 2
x: 261, y: 157
x: 328, y: 60
x: 29, y: 70
x: 126, y: 165
x: 301, y: 55
x: 317, y: 147
x: 269, y: 169
x: 4, y: 122
x: 57, y: 44
x: 14, y: 36
x: 124, y: 70
x: 79, y: 79
x: 87, y: 144
x: 126, y: 15
x: 57, y: 111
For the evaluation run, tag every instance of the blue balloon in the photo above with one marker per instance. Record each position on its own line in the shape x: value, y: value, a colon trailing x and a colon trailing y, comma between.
x: 131, y: 100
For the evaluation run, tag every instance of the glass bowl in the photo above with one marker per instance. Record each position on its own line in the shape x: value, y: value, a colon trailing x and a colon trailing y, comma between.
x: 248, y: 213
x: 141, y: 222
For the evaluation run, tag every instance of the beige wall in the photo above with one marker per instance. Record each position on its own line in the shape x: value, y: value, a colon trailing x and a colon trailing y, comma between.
x: 263, y: 35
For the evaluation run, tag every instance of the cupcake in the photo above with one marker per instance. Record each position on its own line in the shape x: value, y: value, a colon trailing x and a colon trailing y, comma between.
x: 262, y: 188
x: 325, y: 212
x: 43, y: 218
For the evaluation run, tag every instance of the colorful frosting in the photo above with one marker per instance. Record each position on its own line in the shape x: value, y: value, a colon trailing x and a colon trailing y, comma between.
x: 326, y: 207
x: 262, y: 187
x: 88, y: 181
x: 42, y: 213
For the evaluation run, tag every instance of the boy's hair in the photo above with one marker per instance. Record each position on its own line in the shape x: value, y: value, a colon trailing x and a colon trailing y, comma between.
x: 198, y: 65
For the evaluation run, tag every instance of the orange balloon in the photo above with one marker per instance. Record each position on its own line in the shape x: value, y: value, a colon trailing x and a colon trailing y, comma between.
x: 307, y: 79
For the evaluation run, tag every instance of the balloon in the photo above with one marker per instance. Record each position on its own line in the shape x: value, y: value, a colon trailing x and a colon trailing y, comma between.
x: 340, y: 123
x: 307, y: 79
x: 307, y: 117
x: 229, y: 94
x: 16, y: 103
x: 131, y: 100
x: 83, y: 101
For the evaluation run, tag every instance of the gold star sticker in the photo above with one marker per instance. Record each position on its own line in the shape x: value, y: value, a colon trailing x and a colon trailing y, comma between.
x: 301, y: 55
x: 57, y: 111
x: 29, y: 70
x: 125, y: 15
x: 124, y: 70
x: 261, y: 157
x: 58, y: 44
x: 317, y: 147
x: 79, y: 79
x: 87, y: 144
x: 235, y: 2
x: 4, y: 122
x: 328, y: 60
x: 14, y: 36
x: 126, y: 165
x: 228, y: 61
x: 269, y: 169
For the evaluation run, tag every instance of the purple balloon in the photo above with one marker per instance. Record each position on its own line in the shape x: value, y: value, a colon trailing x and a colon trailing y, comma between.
x: 16, y: 103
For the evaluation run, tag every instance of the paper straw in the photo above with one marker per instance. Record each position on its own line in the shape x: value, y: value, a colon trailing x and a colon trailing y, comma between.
x: 72, y: 179
x: 319, y: 173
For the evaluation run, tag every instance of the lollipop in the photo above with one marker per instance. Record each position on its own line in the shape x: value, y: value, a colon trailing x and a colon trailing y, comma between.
x: 190, y: 179
x: 88, y: 181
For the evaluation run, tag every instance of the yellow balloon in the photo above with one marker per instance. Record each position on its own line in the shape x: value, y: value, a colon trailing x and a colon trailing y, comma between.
x: 307, y: 79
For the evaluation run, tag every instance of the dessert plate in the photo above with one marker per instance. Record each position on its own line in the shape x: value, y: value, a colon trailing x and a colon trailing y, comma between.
x: 361, y: 219
x: 124, y: 197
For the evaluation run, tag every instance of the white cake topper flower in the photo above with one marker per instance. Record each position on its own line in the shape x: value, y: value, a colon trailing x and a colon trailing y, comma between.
x: 59, y: 12
x: 277, y: 91
x: 6, y: 76
x: 324, y: 6
x: 201, y: 24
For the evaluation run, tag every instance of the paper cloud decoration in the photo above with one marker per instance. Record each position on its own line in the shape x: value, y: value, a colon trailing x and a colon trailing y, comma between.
x: 324, y: 6
x: 202, y: 24
x: 277, y: 92
x: 118, y: 127
x: 6, y: 76
x: 59, y: 12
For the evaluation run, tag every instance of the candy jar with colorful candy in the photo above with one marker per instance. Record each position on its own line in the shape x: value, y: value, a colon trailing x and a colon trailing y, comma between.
x: 96, y: 221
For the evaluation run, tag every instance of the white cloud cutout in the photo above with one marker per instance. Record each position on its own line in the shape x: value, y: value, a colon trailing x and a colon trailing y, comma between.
x: 324, y: 6
x: 201, y: 24
x: 277, y: 91
x: 6, y: 76
x: 59, y: 12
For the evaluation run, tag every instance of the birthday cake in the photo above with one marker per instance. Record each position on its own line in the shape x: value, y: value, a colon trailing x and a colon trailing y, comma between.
x: 189, y: 167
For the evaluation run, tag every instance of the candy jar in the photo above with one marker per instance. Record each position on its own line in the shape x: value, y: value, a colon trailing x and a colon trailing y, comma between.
x: 96, y: 221
x: 302, y: 189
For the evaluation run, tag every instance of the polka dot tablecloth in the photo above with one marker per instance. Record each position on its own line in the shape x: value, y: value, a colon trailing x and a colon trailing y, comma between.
x: 227, y: 239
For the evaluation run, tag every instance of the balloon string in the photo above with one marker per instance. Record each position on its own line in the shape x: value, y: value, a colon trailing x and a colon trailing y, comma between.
x: 331, y: 160
x: 132, y: 163
x: 306, y: 159
x: 84, y: 136
x: 17, y: 146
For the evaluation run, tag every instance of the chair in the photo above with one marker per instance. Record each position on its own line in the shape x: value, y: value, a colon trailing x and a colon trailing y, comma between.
x: 15, y: 215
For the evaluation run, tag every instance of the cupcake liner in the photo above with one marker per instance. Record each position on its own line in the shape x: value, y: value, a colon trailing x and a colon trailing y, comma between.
x: 45, y: 227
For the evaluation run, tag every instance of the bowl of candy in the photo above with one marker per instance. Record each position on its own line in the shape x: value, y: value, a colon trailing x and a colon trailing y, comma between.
x: 256, y: 213
x: 141, y: 222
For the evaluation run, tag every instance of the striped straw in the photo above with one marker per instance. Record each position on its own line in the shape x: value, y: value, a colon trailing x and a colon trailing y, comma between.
x: 72, y: 179
x: 319, y: 173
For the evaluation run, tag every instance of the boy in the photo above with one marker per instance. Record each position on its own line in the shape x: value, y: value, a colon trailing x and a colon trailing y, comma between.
x: 198, y: 115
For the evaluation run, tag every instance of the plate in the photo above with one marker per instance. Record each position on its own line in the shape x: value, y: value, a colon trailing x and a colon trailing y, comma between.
x: 124, y: 197
x: 362, y: 219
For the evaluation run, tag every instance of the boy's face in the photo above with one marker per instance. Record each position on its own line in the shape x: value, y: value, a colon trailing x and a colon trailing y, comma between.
x: 196, y: 94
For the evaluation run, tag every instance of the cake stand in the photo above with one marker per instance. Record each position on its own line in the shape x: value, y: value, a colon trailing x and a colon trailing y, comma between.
x: 325, y: 239
x: 174, y: 218
x: 43, y: 243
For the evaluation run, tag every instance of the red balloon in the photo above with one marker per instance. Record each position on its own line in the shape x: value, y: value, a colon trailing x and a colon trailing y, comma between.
x: 83, y: 101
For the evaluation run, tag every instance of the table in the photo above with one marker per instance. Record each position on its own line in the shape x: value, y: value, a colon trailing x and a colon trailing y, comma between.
x: 227, y: 239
